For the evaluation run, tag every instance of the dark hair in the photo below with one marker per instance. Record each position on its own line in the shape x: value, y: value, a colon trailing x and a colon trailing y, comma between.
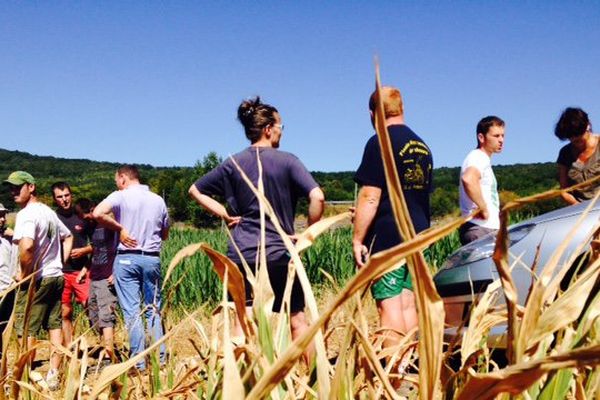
x: 130, y: 170
x: 572, y: 122
x: 84, y: 206
x: 255, y: 116
x: 60, y: 186
x: 484, y: 125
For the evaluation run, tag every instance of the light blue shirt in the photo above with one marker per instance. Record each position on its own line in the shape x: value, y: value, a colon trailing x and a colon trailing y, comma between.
x: 142, y: 213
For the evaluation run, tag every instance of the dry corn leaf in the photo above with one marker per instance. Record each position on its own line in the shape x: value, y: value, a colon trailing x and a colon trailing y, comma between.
x: 500, y: 258
x: 566, y: 308
x: 323, y: 366
x: 375, y: 363
x: 308, y: 237
x: 375, y: 265
x: 430, y: 305
x: 535, y: 301
x: 232, y: 381
x: 517, y: 378
x: 480, y: 321
x: 112, y: 372
x: 185, y: 252
x: 236, y: 286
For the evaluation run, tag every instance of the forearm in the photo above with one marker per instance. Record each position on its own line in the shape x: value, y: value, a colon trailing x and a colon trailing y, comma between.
x: 473, y: 190
x: 316, y: 205
x: 67, y: 247
x: 366, y: 209
x: 208, y: 203
x: 569, y: 198
x: 26, y: 257
x: 103, y: 214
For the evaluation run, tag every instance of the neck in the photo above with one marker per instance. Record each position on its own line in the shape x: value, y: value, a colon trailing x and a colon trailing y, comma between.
x: 398, y: 120
x: 489, y: 153
x: 62, y: 211
x: 130, y: 183
x: 32, y: 199
x: 262, y: 142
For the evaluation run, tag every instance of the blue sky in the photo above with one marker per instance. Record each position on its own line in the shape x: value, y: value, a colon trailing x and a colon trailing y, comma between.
x: 160, y: 82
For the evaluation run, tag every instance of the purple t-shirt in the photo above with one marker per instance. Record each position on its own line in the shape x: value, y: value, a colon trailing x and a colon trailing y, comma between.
x: 104, y: 243
x: 143, y: 213
x: 285, y: 180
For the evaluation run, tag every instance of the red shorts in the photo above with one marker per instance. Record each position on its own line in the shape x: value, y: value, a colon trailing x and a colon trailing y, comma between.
x: 81, y: 291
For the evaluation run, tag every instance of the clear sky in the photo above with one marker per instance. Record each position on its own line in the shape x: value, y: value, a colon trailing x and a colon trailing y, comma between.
x: 160, y: 82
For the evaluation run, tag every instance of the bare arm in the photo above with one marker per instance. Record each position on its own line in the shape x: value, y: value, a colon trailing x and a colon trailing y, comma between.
x: 213, y: 206
x: 81, y: 251
x: 164, y: 234
x: 67, y: 246
x: 471, y: 182
x: 26, y: 256
x: 563, y: 180
x: 316, y: 205
x: 368, y: 201
x: 103, y: 214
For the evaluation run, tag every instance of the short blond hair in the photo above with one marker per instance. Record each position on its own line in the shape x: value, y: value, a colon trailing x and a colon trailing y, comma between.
x: 392, y: 101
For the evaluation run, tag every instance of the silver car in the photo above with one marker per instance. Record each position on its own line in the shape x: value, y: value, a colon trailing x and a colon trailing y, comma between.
x: 470, y: 269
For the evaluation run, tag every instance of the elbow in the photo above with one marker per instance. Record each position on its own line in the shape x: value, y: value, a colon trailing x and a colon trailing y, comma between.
x: 316, y: 195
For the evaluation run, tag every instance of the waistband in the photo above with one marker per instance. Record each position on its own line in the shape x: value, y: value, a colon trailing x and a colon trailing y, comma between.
x: 140, y: 252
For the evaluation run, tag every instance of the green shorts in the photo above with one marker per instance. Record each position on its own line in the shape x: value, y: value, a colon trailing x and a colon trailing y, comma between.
x: 391, y: 284
x: 45, y: 309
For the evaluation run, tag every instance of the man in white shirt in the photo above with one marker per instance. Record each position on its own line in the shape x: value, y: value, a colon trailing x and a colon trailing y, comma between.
x: 39, y: 233
x: 478, y: 187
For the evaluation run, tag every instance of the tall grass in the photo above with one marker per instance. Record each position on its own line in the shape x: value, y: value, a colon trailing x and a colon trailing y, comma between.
x: 194, y: 283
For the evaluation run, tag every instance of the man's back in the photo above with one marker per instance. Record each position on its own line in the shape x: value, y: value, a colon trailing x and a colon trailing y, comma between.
x: 415, y: 165
x: 143, y: 213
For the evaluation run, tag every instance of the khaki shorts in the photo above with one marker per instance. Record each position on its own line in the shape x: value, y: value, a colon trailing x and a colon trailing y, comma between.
x: 45, y: 309
x: 391, y: 284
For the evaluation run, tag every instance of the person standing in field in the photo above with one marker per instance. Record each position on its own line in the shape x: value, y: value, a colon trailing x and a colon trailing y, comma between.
x: 142, y: 221
x: 579, y: 160
x: 103, y: 298
x: 39, y: 233
x: 8, y: 265
x: 75, y: 270
x: 285, y: 180
x: 375, y: 228
x: 477, y: 186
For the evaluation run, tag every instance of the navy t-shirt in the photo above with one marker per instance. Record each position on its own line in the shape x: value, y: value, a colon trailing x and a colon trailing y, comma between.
x: 415, y: 167
x: 81, y: 231
x: 285, y: 180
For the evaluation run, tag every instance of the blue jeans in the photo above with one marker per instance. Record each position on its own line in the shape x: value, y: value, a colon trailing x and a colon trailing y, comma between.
x: 136, y: 276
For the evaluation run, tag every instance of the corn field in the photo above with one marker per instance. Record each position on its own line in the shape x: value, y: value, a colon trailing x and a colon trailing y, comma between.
x: 553, y: 342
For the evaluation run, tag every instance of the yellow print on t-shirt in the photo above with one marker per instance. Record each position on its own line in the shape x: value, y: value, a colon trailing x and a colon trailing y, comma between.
x: 416, y: 165
x: 414, y: 146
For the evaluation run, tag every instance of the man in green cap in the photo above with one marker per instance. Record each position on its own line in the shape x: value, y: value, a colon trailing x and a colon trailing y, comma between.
x: 39, y: 233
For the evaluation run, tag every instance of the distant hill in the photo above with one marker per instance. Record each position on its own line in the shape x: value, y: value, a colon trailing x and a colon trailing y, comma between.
x: 95, y: 180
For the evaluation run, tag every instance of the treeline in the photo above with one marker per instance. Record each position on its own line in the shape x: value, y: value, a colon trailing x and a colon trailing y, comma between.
x: 95, y: 180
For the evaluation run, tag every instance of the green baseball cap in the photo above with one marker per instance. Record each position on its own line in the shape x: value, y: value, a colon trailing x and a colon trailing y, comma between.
x: 18, y: 178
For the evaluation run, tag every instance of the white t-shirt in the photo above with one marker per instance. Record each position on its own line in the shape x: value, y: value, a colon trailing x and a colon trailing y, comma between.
x: 39, y: 222
x: 489, y: 189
